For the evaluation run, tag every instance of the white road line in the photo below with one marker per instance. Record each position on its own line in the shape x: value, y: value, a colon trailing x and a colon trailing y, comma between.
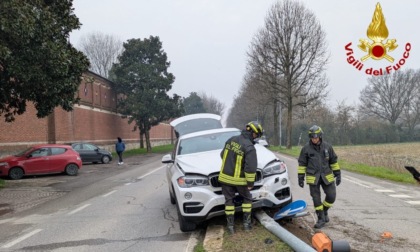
x: 78, y: 209
x: 111, y: 192
x: 357, y: 183
x: 128, y: 183
x: 384, y: 190
x: 400, y: 196
x: 147, y: 174
x: 7, y: 220
x: 12, y: 243
x: 414, y: 202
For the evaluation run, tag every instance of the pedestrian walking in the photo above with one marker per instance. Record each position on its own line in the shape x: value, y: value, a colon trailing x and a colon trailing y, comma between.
x: 237, y: 174
x: 120, y: 148
x: 318, y: 161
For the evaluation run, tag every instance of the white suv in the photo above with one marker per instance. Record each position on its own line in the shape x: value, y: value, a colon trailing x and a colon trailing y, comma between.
x: 194, y: 165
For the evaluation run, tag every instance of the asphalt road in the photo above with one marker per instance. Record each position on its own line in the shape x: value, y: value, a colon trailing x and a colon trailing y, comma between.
x: 365, y: 209
x: 104, y: 208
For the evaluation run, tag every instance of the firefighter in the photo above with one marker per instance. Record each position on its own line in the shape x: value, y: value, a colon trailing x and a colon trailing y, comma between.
x: 318, y: 161
x: 237, y: 174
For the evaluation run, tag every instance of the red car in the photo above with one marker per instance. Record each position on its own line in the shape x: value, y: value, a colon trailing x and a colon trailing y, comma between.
x: 41, y: 159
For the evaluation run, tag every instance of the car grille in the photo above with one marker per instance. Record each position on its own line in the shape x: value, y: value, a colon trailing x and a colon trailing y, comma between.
x: 214, y: 178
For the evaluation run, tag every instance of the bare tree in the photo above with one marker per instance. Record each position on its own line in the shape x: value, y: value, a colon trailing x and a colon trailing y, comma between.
x: 212, y: 105
x: 411, y: 112
x: 102, y: 51
x: 291, y: 50
x: 386, y: 96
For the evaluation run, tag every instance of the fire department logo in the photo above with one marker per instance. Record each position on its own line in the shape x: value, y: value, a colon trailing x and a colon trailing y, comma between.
x: 377, y: 47
x: 377, y: 32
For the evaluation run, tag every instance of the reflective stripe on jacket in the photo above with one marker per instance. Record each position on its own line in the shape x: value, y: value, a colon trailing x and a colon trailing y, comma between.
x: 318, y: 161
x: 239, y: 161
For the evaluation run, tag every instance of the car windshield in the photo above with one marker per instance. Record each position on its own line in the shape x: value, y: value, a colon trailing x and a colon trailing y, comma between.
x: 203, y: 143
x: 19, y: 154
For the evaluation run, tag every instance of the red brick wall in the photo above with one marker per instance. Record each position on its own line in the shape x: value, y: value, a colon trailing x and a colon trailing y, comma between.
x: 94, y: 120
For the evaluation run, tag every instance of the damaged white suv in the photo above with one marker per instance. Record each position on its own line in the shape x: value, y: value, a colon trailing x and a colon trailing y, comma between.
x: 193, y: 169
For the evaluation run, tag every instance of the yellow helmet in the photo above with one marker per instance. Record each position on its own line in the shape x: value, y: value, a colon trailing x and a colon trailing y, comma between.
x: 255, y: 127
x: 315, y: 131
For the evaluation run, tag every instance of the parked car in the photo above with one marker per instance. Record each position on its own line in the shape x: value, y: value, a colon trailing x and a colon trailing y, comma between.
x: 193, y: 169
x: 41, y: 159
x: 262, y: 141
x: 91, y: 153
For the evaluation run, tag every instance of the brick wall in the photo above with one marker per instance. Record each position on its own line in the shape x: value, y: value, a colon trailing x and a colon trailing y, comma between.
x: 94, y: 120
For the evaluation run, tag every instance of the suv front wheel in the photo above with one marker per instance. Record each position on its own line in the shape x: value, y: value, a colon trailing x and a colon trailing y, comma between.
x: 185, y: 226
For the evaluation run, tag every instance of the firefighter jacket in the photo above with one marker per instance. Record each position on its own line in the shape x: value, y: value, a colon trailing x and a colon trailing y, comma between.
x: 318, y: 162
x: 239, y: 161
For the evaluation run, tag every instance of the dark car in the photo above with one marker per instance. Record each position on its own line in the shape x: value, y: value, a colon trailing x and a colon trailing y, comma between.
x: 41, y: 159
x: 91, y: 153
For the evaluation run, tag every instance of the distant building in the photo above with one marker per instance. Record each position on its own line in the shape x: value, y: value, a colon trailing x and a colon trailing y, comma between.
x: 94, y: 120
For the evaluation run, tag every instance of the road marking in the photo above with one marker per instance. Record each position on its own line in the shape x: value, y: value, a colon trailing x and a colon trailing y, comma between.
x: 357, y: 183
x: 111, y: 192
x: 414, y: 202
x: 12, y: 243
x: 128, y: 183
x: 384, y: 190
x: 78, y: 209
x: 147, y: 174
x: 7, y: 220
x: 400, y: 196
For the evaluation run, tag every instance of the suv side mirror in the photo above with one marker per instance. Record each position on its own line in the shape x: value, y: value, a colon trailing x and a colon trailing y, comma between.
x: 167, y: 159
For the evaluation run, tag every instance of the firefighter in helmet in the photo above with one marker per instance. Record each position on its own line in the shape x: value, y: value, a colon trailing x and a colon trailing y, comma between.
x: 318, y: 161
x: 237, y: 174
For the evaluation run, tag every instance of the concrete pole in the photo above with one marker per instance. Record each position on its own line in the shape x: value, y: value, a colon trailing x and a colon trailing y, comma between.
x: 291, y: 240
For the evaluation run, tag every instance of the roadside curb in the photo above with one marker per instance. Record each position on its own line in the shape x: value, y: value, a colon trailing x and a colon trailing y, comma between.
x: 213, y: 240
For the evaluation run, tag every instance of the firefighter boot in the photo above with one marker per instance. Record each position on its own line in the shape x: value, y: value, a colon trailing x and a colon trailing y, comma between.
x: 327, y: 219
x: 230, y: 223
x: 321, y: 219
x: 247, y: 221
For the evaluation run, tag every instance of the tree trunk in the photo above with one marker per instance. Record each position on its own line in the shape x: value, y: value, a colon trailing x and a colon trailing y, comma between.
x: 276, y: 140
x: 289, y: 127
x: 148, y: 145
x: 141, y: 140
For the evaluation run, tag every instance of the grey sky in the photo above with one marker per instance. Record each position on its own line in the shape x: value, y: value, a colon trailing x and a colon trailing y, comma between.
x: 207, y: 40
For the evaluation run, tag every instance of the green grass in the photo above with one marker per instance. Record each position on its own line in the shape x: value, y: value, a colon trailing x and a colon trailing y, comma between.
x: 259, y: 239
x: 156, y: 149
x: 2, y: 183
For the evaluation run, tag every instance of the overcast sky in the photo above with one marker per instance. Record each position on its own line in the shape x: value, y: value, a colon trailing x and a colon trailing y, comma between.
x: 206, y: 40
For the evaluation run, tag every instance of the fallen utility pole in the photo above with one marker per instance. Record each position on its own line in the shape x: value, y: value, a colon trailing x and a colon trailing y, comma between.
x: 291, y: 240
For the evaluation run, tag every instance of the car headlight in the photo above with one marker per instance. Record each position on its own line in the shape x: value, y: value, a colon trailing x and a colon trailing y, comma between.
x: 4, y: 164
x: 192, y: 181
x: 274, y: 168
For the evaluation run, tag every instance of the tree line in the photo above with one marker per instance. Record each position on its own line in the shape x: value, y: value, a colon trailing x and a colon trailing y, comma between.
x: 284, y: 88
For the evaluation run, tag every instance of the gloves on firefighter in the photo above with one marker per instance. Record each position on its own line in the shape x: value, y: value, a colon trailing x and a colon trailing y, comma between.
x: 301, y: 178
x: 337, y: 175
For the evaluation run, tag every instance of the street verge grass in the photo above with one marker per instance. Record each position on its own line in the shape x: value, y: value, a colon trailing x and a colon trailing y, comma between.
x: 385, y: 161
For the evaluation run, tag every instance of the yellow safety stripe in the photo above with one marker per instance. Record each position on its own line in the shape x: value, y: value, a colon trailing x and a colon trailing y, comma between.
x: 301, y: 169
x: 225, y: 153
x: 318, y: 208
x: 246, y: 207
x: 238, y: 167
x: 310, y: 179
x: 326, y: 204
x: 229, y: 210
x: 335, y: 167
x: 231, y: 180
x: 250, y: 177
x: 253, y: 127
x: 330, y: 177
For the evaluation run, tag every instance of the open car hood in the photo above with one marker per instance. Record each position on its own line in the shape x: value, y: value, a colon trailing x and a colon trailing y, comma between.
x: 196, y: 122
